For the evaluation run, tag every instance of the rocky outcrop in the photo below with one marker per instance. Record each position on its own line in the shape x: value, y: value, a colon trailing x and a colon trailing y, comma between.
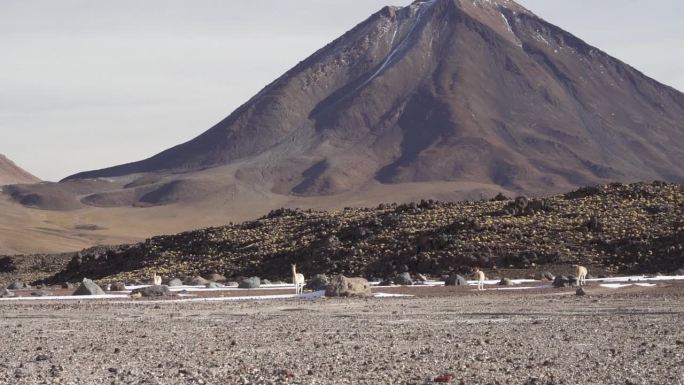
x: 435, y: 238
x: 317, y: 282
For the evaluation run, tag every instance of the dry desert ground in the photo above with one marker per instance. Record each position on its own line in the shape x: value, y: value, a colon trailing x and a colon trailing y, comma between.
x: 631, y: 335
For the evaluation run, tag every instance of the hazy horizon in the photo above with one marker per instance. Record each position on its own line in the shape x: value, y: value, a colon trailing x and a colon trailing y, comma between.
x: 89, y: 85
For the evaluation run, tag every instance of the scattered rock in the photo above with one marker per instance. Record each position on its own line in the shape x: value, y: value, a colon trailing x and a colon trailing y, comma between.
x: 265, y: 282
x: 548, y: 276
x: 421, y: 278
x: 17, y: 286
x: 431, y: 238
x: 444, y: 378
x: 153, y: 291
x: 88, y: 287
x: 250, y: 283
x: 505, y: 282
x: 318, y: 282
x: 67, y: 285
x: 595, y: 224
x: 580, y: 292
x: 118, y: 286
x: 39, y: 293
x: 175, y: 282
x: 213, y: 285
x: 500, y: 197
x: 341, y: 286
x: 4, y: 293
x: 455, y: 280
x: 679, y: 272
x: 403, y: 279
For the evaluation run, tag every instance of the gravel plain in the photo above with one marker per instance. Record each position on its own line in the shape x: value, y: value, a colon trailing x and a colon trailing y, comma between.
x: 443, y: 335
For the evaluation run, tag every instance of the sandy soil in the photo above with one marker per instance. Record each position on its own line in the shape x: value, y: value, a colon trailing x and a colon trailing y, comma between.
x: 626, y: 336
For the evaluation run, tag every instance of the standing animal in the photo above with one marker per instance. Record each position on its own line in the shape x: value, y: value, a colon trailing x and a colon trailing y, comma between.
x: 581, y: 275
x: 479, y: 274
x: 298, y: 280
x: 156, y: 280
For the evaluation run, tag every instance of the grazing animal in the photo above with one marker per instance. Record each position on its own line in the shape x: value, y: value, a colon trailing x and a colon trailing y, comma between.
x: 156, y: 280
x: 581, y: 275
x: 298, y: 280
x: 479, y: 274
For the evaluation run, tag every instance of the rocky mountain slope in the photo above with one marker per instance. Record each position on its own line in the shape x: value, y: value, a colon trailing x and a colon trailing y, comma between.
x: 10, y: 173
x: 614, y: 228
x: 441, y: 90
x: 443, y: 99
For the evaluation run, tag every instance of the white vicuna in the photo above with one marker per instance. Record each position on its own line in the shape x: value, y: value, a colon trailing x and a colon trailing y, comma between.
x: 581, y: 275
x: 480, y: 275
x: 156, y: 279
x: 298, y: 280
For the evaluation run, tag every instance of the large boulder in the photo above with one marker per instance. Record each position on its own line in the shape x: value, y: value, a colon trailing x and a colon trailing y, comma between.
x: 318, y: 282
x: 341, y: 286
x: 250, y: 283
x: 17, y: 286
x: 175, y: 282
x: 403, y: 279
x: 153, y: 291
x: 196, y: 281
x: 455, y: 280
x: 88, y: 287
x: 118, y: 286
x: 4, y: 293
x: 561, y: 281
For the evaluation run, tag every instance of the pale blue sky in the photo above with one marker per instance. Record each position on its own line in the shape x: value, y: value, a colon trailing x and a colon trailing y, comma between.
x: 88, y: 84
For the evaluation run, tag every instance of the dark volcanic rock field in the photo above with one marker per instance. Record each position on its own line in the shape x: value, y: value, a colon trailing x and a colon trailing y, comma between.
x: 637, y: 228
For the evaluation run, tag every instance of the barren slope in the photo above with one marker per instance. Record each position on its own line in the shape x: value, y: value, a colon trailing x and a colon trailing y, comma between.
x: 10, y: 173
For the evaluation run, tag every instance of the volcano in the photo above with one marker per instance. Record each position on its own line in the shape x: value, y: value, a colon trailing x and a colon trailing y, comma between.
x: 10, y: 173
x: 444, y: 90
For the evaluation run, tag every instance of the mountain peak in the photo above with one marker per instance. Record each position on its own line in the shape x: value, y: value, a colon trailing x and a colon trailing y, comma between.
x: 443, y: 91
